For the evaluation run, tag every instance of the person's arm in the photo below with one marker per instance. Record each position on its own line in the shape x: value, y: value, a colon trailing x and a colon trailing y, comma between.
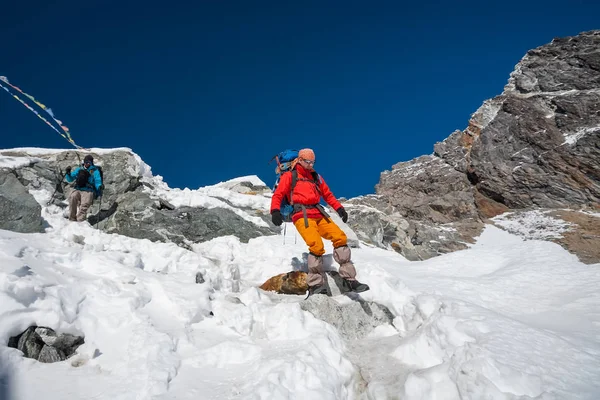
x: 71, y: 175
x: 283, y: 189
x: 328, y: 195
x: 97, y: 180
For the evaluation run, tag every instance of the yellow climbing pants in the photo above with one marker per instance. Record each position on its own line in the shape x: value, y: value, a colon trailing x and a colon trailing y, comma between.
x: 320, y: 228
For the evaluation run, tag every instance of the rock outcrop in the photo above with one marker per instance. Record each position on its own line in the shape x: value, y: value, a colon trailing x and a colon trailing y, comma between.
x: 45, y: 345
x: 353, y: 320
x: 130, y: 206
x: 537, y: 145
x: 19, y: 211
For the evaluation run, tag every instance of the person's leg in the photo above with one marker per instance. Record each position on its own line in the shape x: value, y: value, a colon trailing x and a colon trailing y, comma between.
x: 316, y: 250
x: 74, y: 200
x: 87, y: 198
x: 342, y: 255
x: 330, y: 231
x: 341, y: 252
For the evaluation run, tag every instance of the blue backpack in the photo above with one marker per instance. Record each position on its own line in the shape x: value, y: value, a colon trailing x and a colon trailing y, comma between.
x: 285, y: 163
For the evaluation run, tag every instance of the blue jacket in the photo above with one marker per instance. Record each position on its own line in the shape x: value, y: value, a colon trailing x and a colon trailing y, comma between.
x: 94, y: 181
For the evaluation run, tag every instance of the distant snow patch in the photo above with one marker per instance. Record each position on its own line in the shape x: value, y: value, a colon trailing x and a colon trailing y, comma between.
x: 411, y: 169
x: 15, y: 162
x: 253, y: 179
x: 573, y: 137
x: 535, y: 225
x: 485, y: 114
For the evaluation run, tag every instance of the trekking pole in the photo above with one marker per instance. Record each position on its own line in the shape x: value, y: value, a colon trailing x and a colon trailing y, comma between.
x: 53, y: 194
x: 59, y: 184
x: 284, y: 231
x: 99, y: 208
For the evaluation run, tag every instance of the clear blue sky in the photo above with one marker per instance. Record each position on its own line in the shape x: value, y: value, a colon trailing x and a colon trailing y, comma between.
x: 206, y: 91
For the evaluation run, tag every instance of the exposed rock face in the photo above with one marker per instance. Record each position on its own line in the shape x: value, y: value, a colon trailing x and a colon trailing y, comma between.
x: 538, y: 144
x: 19, y: 211
x: 583, y: 238
x: 428, y: 189
x: 354, y: 320
x: 378, y: 223
x: 134, y: 202
x: 141, y: 217
x: 130, y: 206
x: 45, y: 345
x: 535, y: 145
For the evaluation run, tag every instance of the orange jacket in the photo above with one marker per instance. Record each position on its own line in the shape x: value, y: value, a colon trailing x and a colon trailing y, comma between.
x: 305, y: 192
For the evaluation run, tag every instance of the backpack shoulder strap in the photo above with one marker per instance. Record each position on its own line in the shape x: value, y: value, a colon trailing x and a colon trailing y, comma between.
x: 294, y: 180
x: 316, y: 177
x: 316, y: 180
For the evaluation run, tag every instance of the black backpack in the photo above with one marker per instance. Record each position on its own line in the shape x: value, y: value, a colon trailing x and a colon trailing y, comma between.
x: 83, y: 175
x: 81, y: 180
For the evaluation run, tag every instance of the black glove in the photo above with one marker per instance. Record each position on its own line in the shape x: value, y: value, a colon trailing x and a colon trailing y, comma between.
x: 343, y: 214
x: 68, y: 170
x: 276, y: 217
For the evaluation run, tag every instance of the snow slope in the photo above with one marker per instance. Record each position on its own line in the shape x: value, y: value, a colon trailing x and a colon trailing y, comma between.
x: 508, y: 318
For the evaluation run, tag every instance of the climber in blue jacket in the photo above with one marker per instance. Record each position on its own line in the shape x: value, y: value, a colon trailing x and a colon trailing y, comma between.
x: 86, y: 185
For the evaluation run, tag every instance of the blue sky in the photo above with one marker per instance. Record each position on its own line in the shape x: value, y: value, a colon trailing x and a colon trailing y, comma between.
x: 211, y: 91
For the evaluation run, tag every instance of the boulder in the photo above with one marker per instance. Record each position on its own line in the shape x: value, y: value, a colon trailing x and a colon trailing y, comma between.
x: 45, y: 345
x: 19, y: 211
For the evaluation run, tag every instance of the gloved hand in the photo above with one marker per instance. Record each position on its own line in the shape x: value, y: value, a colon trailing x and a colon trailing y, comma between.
x: 99, y: 191
x: 68, y: 170
x: 276, y: 217
x: 343, y: 214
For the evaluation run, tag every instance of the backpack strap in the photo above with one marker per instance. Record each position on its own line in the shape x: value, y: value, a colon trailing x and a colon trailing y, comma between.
x: 294, y: 181
x: 302, y: 207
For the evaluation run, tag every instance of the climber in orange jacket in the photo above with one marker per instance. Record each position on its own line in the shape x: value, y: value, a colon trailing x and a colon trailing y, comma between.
x: 306, y: 187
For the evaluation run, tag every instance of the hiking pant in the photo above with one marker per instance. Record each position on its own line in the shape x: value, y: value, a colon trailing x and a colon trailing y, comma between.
x: 317, y: 229
x: 79, y: 199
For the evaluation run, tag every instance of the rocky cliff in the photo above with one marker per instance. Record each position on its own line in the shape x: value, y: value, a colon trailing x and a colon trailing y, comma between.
x: 134, y: 203
x: 537, y: 145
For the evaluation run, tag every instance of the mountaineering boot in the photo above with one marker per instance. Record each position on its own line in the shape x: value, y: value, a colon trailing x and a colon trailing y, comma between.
x: 343, y: 256
x: 316, y: 290
x: 354, y: 286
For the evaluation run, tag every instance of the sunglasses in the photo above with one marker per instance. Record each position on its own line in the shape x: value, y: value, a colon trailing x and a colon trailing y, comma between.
x: 309, y: 162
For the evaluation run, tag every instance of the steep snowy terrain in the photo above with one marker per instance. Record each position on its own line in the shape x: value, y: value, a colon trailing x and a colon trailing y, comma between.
x: 510, y: 317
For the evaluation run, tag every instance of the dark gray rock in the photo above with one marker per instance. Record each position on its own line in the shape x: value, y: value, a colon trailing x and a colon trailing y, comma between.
x: 354, y: 320
x: 376, y: 222
x: 29, y: 343
x: 19, y: 211
x: 136, y: 216
x: 45, y: 345
x: 51, y: 354
x: 428, y: 189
